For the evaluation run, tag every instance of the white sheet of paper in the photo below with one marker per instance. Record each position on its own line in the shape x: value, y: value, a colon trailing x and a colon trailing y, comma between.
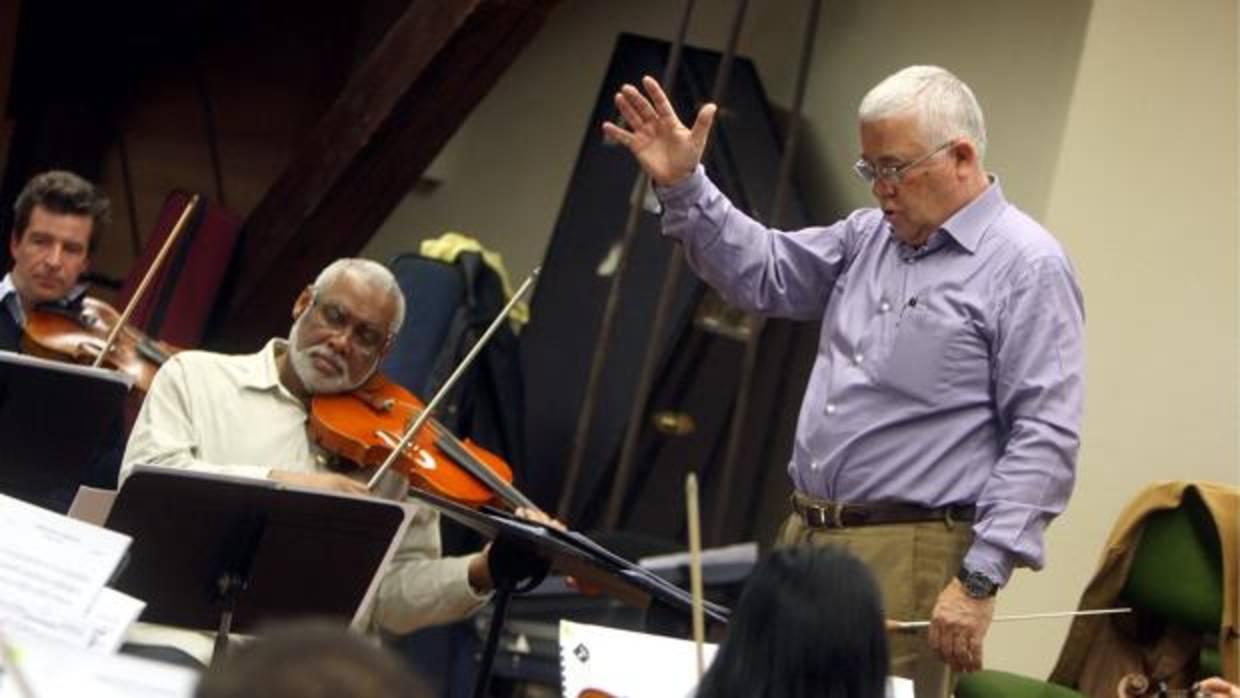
x: 49, y: 560
x: 594, y: 656
x: 899, y: 688
x: 109, y: 617
x: 57, y: 671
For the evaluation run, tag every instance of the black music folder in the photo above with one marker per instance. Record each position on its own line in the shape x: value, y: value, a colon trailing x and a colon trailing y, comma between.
x: 574, y: 554
x: 205, y: 545
x: 58, y: 423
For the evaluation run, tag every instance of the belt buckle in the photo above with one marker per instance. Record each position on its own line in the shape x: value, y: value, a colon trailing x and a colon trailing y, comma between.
x: 829, y: 516
x: 837, y: 515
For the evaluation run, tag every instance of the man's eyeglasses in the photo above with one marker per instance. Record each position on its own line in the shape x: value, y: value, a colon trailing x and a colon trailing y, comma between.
x: 368, y: 338
x: 893, y: 174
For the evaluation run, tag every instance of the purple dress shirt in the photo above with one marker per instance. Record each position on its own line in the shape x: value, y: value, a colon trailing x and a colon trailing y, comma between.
x: 947, y: 374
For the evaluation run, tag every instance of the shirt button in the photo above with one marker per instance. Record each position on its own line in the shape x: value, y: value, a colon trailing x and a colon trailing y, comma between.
x: 884, y: 307
x: 858, y: 358
x: 830, y: 408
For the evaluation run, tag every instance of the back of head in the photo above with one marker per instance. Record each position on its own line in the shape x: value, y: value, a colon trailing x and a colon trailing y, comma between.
x: 310, y: 659
x: 809, y: 623
x: 62, y: 192
x: 944, y: 104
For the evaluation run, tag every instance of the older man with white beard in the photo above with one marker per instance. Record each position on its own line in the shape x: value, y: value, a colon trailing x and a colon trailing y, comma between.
x: 247, y: 415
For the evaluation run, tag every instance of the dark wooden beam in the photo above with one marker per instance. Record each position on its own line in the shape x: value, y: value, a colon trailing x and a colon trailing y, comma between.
x: 406, y: 100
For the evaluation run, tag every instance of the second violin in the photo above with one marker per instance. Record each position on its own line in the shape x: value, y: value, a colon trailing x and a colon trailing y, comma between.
x: 81, y: 336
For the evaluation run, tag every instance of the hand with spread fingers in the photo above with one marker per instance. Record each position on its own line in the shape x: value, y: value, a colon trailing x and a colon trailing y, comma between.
x: 663, y: 146
x: 958, y: 627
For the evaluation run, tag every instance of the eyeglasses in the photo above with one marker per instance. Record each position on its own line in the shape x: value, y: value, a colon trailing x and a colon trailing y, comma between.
x: 368, y: 338
x: 893, y: 174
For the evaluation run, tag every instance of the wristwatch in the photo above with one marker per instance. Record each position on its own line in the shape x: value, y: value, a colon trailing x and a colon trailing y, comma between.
x: 976, y: 584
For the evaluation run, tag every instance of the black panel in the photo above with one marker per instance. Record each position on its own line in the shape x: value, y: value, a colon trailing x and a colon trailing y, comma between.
x: 699, y: 370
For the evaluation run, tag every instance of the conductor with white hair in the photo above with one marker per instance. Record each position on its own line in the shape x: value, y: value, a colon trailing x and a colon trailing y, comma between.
x: 939, y: 431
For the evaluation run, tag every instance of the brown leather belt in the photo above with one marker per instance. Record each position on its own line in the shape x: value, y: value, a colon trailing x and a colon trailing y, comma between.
x: 819, y: 513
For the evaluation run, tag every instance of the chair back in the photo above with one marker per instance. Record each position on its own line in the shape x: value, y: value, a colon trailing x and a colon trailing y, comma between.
x: 1177, y: 569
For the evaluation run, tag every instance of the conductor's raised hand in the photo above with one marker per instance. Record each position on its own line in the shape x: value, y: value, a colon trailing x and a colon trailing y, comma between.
x: 663, y: 146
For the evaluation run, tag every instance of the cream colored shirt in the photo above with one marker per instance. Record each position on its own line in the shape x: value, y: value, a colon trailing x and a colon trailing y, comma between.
x: 231, y: 415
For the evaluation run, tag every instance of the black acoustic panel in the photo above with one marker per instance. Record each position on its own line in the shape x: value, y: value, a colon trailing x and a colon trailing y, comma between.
x: 567, y: 308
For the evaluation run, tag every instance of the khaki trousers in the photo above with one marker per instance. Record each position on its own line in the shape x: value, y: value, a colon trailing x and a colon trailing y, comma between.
x: 912, y: 563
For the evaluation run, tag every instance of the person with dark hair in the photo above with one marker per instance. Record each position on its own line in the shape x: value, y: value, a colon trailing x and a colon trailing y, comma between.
x: 58, y: 219
x: 310, y: 659
x: 809, y: 623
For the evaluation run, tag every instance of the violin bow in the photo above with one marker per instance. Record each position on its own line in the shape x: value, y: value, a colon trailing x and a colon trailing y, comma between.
x: 914, y: 625
x: 427, y: 411
x: 695, y: 568
x: 146, y: 279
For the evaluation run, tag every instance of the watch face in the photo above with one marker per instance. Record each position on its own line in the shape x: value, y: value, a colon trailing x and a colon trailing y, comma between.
x: 977, y: 585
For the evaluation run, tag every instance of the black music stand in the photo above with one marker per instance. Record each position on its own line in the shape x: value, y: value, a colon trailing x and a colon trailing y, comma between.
x: 225, y: 554
x: 565, y: 551
x: 56, y: 420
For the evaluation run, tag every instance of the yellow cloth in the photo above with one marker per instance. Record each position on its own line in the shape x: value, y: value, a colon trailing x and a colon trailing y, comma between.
x: 1089, y: 633
x: 446, y: 247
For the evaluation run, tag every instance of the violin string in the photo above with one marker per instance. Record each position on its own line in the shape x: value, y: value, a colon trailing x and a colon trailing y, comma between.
x: 459, y: 453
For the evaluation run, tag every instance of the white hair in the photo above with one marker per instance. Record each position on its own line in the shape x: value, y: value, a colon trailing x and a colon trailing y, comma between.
x: 944, y: 105
x: 375, y: 275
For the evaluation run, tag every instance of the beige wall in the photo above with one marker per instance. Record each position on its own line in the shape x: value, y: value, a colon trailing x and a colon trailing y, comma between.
x: 1114, y: 122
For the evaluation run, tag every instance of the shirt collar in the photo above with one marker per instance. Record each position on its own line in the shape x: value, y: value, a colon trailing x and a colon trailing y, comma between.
x: 969, y: 224
x: 264, y: 374
x: 11, y: 301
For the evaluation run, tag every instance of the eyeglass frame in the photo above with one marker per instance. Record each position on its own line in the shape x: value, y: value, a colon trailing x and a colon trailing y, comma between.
x: 348, y: 321
x: 894, y: 174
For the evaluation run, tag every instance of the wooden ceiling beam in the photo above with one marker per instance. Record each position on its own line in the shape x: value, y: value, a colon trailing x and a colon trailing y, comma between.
x: 413, y: 92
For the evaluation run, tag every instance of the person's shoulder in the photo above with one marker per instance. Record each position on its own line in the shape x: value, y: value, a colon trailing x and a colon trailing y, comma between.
x: 1025, y: 239
x: 241, y: 368
x: 861, y: 225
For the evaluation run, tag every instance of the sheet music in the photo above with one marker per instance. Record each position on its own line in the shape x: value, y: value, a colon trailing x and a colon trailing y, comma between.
x: 49, y: 560
x: 52, y: 575
x: 58, y: 671
x: 66, y: 367
x: 109, y: 617
x: 594, y: 656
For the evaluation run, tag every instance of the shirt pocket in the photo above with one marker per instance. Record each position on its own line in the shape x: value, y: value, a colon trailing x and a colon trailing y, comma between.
x: 926, y: 346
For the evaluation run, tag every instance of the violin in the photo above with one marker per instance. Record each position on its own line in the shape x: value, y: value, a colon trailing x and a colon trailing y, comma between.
x: 366, y: 425
x: 80, y: 336
x: 100, y: 336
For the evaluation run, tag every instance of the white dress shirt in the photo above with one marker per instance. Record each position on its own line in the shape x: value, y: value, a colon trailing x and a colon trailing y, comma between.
x: 231, y: 415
